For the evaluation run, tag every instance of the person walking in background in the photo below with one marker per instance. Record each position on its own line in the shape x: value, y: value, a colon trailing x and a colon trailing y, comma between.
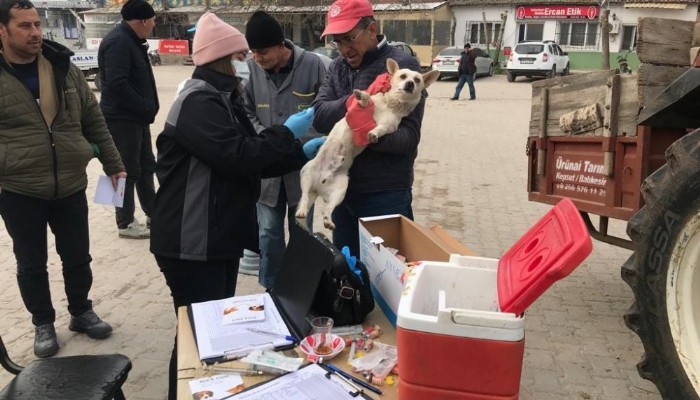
x: 284, y: 79
x: 130, y: 103
x: 210, y: 161
x: 381, y: 177
x: 467, y: 71
x: 50, y: 129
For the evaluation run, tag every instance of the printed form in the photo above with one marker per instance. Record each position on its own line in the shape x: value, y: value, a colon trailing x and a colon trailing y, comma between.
x: 308, y: 383
x: 218, y: 339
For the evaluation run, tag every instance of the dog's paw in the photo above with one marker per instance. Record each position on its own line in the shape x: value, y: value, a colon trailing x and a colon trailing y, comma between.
x: 373, y: 137
x: 328, y: 223
x: 362, y: 97
x: 300, y: 214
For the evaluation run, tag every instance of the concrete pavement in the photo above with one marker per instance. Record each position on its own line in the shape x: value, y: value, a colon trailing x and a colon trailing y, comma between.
x: 470, y: 177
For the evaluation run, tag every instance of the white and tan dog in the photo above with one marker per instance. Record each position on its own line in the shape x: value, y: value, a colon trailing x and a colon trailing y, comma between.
x: 327, y: 174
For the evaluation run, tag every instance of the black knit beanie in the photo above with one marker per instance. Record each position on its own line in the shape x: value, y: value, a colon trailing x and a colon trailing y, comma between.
x: 263, y: 31
x: 137, y: 9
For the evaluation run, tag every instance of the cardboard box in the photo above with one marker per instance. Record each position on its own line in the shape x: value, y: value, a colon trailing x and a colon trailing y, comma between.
x: 412, y: 241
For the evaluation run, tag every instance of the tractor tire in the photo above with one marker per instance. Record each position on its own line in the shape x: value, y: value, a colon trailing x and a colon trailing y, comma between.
x: 664, y: 273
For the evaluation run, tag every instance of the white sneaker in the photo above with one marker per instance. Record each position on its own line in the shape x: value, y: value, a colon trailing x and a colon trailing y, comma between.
x: 135, y: 230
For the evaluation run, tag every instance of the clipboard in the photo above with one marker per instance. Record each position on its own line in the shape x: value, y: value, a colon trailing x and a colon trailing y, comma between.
x: 306, y: 257
x: 313, y: 369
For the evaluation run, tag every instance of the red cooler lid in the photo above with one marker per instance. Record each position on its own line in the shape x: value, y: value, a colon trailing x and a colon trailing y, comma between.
x: 549, y: 251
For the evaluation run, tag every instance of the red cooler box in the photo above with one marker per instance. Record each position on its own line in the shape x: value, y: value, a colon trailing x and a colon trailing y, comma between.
x: 460, y: 329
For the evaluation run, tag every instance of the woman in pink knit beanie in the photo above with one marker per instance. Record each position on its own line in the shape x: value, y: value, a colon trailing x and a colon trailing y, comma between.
x: 210, y: 161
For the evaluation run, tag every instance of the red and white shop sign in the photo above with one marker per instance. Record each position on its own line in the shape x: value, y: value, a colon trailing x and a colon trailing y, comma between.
x: 174, y: 47
x: 557, y: 12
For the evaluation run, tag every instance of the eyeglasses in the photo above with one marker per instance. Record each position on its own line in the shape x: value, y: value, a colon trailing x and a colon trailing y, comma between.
x: 337, y: 43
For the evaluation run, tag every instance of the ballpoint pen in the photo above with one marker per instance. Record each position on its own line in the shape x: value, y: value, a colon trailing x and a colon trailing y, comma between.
x: 352, y: 378
x: 242, y: 371
x: 279, y: 335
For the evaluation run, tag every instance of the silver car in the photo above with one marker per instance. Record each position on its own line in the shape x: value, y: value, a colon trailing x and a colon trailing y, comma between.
x: 447, y: 62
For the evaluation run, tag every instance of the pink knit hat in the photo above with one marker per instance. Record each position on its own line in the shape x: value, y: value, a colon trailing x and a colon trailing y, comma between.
x: 214, y: 39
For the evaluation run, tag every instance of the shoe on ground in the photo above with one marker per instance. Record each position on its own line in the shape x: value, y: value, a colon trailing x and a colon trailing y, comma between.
x: 472, y: 98
x: 90, y: 324
x: 45, y: 341
x: 135, y: 230
x: 248, y: 271
x: 454, y: 98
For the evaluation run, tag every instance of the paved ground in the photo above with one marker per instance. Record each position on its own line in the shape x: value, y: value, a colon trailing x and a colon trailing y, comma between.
x: 470, y: 178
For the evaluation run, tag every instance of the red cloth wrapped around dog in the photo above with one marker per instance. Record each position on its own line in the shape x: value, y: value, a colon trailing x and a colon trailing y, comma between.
x: 361, y: 120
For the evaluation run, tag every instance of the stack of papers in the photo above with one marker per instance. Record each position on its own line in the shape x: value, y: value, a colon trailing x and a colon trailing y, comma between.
x: 222, y: 333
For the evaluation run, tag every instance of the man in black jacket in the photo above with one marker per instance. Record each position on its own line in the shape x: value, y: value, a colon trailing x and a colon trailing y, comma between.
x: 381, y: 177
x: 130, y: 104
x: 467, y: 71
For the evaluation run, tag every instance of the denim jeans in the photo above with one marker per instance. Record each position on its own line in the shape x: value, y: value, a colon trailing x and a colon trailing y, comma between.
x: 26, y: 219
x: 271, y: 233
x: 469, y: 79
x: 195, y: 282
x: 360, y: 205
x: 133, y: 140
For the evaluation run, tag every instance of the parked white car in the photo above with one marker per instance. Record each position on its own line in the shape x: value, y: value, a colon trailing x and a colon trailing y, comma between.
x: 447, y: 62
x: 545, y: 59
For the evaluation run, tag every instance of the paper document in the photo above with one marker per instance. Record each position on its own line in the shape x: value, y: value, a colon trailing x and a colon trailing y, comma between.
x: 308, y: 383
x: 244, y: 309
x: 216, y: 340
x: 105, y: 193
x: 216, y: 387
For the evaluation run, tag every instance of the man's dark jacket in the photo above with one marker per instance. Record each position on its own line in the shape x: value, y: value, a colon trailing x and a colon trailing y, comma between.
x: 467, y: 62
x: 128, y: 87
x: 388, y: 164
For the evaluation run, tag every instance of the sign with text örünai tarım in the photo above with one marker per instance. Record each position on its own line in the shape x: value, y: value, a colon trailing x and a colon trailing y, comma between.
x: 580, y: 176
x: 557, y: 12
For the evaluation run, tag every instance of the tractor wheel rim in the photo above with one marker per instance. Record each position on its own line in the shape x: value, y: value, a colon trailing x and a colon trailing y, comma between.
x: 683, y: 299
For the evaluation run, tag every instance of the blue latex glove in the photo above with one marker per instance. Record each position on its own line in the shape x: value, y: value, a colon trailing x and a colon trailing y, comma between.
x: 311, y: 147
x: 352, y: 262
x: 300, y: 122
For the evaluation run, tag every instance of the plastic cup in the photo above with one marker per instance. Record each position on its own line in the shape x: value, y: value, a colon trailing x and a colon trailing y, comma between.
x: 321, y: 331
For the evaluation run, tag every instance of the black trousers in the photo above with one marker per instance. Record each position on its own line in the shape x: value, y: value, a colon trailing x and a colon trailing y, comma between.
x: 133, y: 140
x: 26, y: 219
x: 195, y: 282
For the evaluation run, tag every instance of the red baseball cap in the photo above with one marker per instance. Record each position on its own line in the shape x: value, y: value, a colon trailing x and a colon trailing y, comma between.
x: 343, y: 15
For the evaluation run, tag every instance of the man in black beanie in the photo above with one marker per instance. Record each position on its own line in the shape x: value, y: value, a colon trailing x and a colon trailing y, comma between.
x: 130, y: 104
x: 284, y: 79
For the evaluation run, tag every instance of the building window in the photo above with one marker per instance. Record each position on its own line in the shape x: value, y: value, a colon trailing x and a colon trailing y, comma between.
x: 442, y: 33
x: 629, y: 37
x: 481, y: 33
x: 578, y: 34
x: 530, y: 32
x: 416, y: 32
x: 69, y: 28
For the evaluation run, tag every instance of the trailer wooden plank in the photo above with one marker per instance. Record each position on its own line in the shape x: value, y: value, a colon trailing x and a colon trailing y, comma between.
x: 652, y: 79
x: 664, y: 41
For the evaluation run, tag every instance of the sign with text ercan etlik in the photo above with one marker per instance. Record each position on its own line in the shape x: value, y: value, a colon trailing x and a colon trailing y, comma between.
x: 580, y: 176
x: 557, y: 12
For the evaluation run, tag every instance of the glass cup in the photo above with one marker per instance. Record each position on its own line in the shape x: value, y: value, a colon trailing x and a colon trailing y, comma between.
x: 321, y: 331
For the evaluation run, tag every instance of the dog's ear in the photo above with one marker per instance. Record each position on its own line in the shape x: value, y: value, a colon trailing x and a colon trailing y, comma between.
x: 391, y: 66
x: 431, y: 77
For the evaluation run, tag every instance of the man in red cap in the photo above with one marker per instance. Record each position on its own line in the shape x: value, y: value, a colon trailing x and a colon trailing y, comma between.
x: 381, y: 177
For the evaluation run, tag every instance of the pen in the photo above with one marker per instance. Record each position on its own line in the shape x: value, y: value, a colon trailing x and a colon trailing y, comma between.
x: 280, y: 335
x: 352, y: 378
x: 242, y: 371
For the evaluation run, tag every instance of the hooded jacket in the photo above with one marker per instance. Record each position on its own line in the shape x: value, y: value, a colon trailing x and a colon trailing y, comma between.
x: 45, y: 149
x: 210, y: 161
x: 388, y: 164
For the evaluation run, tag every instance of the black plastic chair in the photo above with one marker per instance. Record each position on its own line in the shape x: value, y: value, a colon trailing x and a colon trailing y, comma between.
x: 66, y: 378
